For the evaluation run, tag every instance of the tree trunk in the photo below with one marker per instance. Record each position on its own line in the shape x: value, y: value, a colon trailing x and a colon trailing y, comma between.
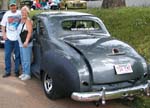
x: 4, y: 5
x: 18, y: 3
x: 113, y: 3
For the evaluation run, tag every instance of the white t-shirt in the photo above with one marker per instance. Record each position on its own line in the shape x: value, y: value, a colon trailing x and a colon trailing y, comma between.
x: 11, y: 21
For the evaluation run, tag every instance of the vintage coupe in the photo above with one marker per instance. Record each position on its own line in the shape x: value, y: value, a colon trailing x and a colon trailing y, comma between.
x: 75, y: 56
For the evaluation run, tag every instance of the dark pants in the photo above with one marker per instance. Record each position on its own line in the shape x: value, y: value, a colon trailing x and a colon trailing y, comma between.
x: 11, y: 46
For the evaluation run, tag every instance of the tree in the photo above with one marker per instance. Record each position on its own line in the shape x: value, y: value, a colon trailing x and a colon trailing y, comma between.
x: 18, y: 3
x: 113, y: 3
x: 4, y: 4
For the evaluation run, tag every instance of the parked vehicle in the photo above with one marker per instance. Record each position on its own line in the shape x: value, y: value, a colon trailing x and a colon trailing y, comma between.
x: 73, y: 4
x: 75, y: 56
x: 27, y: 3
x: 2, y: 12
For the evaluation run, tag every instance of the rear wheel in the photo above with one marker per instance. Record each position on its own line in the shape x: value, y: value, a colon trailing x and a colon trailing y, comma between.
x: 50, y: 86
x: 48, y: 83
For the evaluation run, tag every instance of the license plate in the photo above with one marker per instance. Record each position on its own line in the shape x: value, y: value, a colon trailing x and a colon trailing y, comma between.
x: 123, y: 69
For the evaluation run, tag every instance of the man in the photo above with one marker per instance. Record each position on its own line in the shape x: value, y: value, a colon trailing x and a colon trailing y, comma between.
x: 43, y: 4
x: 10, y: 22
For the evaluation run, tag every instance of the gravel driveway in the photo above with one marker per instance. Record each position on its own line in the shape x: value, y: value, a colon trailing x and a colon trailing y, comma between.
x: 15, y: 93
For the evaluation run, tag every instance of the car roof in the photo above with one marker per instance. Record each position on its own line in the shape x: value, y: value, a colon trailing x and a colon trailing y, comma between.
x: 65, y: 13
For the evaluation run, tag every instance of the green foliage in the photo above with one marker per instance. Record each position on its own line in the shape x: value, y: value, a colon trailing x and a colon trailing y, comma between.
x: 140, y: 102
x: 35, y: 12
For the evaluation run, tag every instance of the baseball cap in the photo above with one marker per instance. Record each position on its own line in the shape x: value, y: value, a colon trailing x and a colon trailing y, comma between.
x: 12, y: 2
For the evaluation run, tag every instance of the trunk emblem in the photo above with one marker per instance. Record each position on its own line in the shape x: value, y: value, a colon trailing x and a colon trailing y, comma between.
x: 115, y: 50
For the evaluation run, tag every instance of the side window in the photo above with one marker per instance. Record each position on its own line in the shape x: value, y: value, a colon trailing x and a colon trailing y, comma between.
x: 39, y: 28
x: 35, y: 27
x: 36, y: 23
x: 42, y: 30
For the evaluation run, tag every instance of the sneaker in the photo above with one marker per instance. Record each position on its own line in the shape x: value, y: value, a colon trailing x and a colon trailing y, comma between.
x: 21, y: 76
x: 6, y: 75
x: 26, y: 77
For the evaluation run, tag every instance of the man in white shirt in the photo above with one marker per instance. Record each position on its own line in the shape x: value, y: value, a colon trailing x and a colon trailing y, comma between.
x: 10, y: 22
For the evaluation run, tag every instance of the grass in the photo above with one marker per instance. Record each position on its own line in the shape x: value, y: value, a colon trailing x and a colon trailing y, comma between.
x: 131, y: 25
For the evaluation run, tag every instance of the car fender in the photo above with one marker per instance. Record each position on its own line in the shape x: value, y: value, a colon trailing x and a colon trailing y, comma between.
x: 62, y: 70
x: 70, y: 66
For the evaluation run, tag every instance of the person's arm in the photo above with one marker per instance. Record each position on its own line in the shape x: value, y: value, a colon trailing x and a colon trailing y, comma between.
x: 4, y: 33
x: 3, y: 26
x: 29, y: 28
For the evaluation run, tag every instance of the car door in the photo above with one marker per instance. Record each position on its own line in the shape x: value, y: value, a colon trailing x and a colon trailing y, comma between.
x: 35, y: 68
x: 43, y: 36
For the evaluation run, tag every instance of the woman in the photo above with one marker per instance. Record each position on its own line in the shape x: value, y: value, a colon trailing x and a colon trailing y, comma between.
x: 25, y: 47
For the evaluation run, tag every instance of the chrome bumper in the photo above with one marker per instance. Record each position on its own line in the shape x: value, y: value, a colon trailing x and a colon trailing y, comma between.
x: 107, y: 95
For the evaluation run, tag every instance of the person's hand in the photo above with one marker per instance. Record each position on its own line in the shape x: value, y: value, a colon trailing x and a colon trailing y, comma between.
x: 5, y: 37
x: 25, y: 44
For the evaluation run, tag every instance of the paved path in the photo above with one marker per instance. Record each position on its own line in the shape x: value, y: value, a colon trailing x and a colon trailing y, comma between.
x: 15, y: 93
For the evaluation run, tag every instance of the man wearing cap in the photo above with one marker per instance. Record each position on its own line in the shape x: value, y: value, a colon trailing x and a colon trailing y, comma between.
x: 10, y: 22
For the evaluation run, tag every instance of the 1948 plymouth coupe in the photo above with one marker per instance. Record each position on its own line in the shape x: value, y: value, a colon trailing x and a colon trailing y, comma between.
x: 75, y: 56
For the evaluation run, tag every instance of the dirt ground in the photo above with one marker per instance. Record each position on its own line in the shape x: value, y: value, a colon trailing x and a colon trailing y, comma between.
x: 15, y: 93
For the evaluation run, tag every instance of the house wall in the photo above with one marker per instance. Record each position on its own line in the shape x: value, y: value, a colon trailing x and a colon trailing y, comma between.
x: 141, y: 3
x: 94, y: 4
x: 129, y: 3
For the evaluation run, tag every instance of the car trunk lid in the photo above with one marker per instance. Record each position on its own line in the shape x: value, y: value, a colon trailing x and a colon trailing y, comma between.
x: 111, y: 60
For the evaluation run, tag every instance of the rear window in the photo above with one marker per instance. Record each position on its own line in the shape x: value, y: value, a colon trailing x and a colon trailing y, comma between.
x: 78, y: 25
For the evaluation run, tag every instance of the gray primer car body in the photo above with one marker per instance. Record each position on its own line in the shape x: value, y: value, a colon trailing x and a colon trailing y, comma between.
x: 81, y: 63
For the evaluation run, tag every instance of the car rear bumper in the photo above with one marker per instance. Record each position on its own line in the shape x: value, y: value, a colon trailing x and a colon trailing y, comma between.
x: 1, y: 38
x: 2, y: 41
x: 107, y: 95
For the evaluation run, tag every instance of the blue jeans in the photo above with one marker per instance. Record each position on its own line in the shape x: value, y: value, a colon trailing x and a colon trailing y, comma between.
x: 25, y: 54
x: 11, y: 46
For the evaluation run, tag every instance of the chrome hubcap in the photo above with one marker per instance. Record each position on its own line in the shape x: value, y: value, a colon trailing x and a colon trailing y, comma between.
x: 48, y: 83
